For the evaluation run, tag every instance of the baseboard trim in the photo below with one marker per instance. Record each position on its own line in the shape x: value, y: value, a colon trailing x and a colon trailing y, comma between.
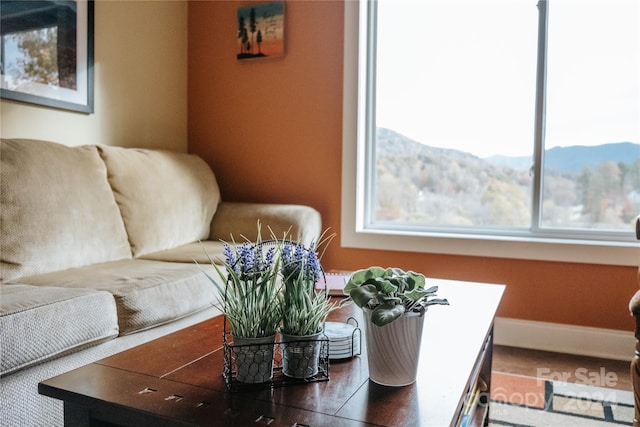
x: 570, y: 339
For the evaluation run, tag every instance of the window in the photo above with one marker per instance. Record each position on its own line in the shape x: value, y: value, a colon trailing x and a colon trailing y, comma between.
x: 509, y: 121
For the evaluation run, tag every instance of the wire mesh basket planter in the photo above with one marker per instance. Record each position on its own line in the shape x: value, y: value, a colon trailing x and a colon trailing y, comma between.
x: 283, y: 360
x: 260, y: 366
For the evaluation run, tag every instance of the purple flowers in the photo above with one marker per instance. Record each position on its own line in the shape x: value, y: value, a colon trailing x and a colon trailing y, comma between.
x: 248, y: 260
x: 300, y: 263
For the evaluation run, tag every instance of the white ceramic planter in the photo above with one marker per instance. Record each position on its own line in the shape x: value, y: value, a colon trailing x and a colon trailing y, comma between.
x: 393, y: 350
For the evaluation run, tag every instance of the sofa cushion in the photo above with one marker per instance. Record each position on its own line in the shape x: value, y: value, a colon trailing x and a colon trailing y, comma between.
x: 39, y: 323
x: 57, y: 210
x: 166, y: 199
x: 147, y: 293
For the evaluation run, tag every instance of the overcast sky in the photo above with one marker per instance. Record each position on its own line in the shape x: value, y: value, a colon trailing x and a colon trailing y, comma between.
x: 476, y: 93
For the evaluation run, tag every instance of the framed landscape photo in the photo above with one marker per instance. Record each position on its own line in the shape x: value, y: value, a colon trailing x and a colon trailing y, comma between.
x: 47, y: 53
x: 260, y: 31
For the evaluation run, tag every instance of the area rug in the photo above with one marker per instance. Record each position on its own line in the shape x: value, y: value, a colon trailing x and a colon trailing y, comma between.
x: 519, y: 401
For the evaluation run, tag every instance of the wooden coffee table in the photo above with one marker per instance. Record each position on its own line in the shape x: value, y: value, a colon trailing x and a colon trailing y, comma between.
x: 177, y: 380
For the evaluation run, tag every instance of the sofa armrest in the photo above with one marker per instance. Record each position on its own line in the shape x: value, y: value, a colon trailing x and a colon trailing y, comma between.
x: 635, y: 362
x: 240, y: 221
x: 634, y: 308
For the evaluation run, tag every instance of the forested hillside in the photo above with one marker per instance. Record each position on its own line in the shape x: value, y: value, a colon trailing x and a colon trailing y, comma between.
x: 417, y: 183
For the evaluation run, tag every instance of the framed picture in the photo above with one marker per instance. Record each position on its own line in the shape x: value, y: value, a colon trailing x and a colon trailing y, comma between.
x: 261, y: 31
x: 47, y: 53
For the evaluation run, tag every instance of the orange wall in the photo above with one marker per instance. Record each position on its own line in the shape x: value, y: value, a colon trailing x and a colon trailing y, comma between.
x: 272, y: 131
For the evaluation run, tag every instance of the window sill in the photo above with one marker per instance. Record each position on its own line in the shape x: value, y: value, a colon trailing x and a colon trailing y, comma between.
x: 580, y: 251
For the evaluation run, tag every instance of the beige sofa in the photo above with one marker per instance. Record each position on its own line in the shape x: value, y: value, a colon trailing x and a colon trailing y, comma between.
x: 97, y: 251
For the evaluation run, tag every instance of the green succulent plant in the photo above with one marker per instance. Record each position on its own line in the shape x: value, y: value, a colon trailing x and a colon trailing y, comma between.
x: 390, y: 292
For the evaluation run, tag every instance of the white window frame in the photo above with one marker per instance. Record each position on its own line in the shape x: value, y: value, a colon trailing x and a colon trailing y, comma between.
x: 354, y: 234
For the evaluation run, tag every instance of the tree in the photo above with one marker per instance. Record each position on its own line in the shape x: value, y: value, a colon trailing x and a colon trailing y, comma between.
x: 603, y: 190
x: 259, y: 41
x: 245, y: 41
x: 39, y: 62
x: 252, y: 25
x: 242, y: 33
x: 582, y: 187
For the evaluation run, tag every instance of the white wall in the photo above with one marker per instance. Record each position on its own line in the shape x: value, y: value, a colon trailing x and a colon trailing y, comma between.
x: 140, y: 83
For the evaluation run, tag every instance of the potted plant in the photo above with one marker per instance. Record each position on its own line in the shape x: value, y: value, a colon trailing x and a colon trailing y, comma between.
x: 304, y: 309
x: 248, y: 295
x: 394, y: 303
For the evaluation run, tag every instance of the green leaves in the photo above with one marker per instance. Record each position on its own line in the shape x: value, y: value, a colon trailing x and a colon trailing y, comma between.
x: 362, y: 295
x: 248, y: 287
x: 305, y: 314
x: 251, y: 306
x: 304, y: 309
x: 390, y: 292
x: 386, y: 313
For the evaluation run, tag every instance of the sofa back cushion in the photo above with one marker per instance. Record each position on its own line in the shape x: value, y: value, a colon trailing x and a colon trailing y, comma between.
x: 166, y: 198
x: 57, y: 210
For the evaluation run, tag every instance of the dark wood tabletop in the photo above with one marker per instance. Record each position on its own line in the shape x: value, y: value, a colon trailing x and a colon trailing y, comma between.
x: 177, y: 379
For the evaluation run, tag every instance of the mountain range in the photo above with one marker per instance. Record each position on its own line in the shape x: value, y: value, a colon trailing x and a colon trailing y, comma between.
x: 558, y: 159
x: 574, y: 158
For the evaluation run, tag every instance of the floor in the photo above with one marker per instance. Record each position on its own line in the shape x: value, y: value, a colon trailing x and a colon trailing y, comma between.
x: 563, y: 367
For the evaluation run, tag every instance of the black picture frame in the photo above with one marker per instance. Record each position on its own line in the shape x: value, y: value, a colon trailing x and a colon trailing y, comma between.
x: 63, y: 77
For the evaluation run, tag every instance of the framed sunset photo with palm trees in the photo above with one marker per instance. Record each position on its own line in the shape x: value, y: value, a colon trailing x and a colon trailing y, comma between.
x: 261, y: 31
